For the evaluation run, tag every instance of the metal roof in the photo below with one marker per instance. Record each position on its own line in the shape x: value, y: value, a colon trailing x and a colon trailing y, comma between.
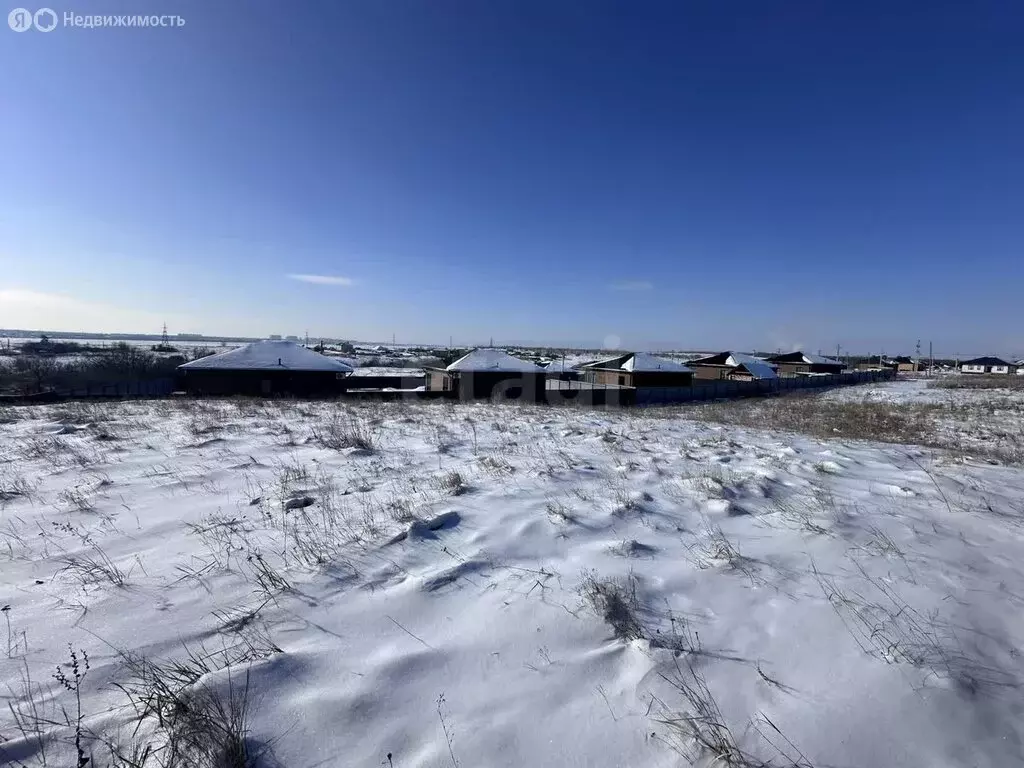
x: 804, y: 357
x: 493, y: 360
x: 757, y: 367
x: 268, y: 356
x: 986, y: 361
x: 561, y: 366
x: 821, y: 360
x: 641, y: 362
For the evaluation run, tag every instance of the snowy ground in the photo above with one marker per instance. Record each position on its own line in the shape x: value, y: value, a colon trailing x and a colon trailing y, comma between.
x: 983, y: 421
x: 381, y: 370
x: 479, y: 585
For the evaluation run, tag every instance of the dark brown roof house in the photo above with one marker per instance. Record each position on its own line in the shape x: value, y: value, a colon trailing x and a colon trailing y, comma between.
x: 805, y: 364
x: 638, y: 369
x: 732, y: 366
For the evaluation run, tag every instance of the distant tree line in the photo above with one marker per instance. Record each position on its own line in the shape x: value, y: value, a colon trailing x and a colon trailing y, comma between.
x: 38, y: 367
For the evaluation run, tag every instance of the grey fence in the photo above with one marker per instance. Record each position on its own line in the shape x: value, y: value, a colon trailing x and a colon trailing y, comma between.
x: 720, y: 390
x: 557, y: 392
x: 148, y: 388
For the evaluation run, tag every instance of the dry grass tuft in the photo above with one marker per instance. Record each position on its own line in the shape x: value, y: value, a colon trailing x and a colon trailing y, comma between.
x: 699, y: 733
x: 453, y: 483
x: 93, y: 569
x: 197, y: 724
x: 615, y: 600
x: 813, y: 415
x: 344, y: 431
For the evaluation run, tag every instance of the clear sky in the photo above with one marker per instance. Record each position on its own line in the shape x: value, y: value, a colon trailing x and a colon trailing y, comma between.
x: 680, y: 174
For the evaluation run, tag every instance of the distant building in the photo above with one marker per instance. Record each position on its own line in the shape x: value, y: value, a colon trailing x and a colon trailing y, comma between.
x: 489, y: 374
x: 274, y: 337
x: 291, y: 338
x: 265, y: 368
x: 731, y: 366
x: 872, y: 365
x: 803, y: 364
x: 987, y: 365
x: 898, y: 364
x: 638, y: 369
x: 905, y: 365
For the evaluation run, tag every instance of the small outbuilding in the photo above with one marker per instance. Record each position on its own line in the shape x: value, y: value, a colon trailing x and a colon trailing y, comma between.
x: 562, y: 370
x: 731, y: 366
x: 489, y: 374
x: 905, y: 365
x: 265, y: 368
x: 803, y: 364
x: 987, y: 365
x: 638, y: 369
x: 873, y: 365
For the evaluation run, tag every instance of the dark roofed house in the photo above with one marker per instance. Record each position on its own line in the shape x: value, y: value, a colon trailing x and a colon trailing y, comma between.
x: 987, y: 365
x: 265, y: 368
x: 804, y: 364
x: 489, y: 374
x: 638, y: 369
x: 731, y: 366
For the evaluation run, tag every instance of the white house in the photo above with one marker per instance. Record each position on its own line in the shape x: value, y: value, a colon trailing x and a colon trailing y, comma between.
x: 987, y: 365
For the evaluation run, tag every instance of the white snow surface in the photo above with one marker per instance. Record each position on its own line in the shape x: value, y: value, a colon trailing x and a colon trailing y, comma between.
x: 270, y: 355
x: 863, y: 599
x: 493, y: 360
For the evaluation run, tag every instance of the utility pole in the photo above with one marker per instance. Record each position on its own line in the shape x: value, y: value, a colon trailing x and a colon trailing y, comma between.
x: 307, y: 337
x: 931, y: 359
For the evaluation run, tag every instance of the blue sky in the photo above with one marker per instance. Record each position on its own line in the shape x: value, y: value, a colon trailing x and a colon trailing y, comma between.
x: 690, y: 175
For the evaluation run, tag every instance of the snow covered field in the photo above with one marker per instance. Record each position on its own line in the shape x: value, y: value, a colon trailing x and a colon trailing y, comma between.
x: 416, y: 585
x: 987, y: 422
